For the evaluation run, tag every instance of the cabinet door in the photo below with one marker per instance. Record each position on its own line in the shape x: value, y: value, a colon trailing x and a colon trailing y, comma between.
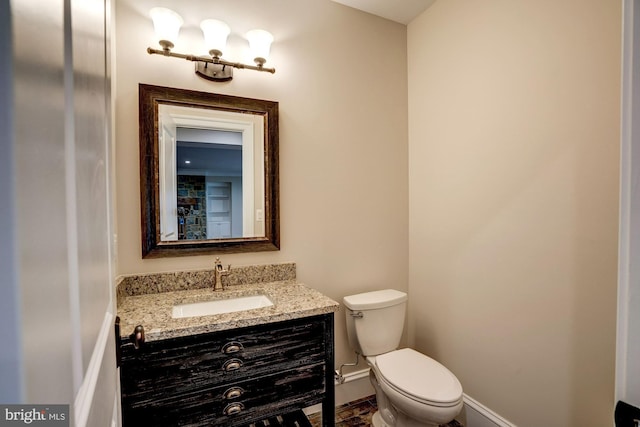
x: 218, y: 229
x: 219, y: 212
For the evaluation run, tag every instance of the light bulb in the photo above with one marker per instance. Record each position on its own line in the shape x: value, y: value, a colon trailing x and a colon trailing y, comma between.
x: 167, y: 25
x: 260, y: 44
x: 215, y: 36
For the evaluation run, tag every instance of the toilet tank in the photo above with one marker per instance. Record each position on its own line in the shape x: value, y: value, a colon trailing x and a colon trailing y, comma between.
x: 375, y: 320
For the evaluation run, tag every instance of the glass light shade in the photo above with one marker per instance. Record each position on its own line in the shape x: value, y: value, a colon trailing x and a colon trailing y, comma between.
x: 166, y: 23
x: 215, y: 35
x: 260, y: 44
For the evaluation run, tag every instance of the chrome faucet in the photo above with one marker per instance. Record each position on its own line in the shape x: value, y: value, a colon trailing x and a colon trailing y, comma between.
x: 218, y: 271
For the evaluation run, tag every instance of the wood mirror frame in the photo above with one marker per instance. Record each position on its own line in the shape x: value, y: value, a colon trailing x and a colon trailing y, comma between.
x: 152, y: 246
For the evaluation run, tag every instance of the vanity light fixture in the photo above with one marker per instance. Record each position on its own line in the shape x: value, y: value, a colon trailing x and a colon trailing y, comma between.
x: 167, y: 24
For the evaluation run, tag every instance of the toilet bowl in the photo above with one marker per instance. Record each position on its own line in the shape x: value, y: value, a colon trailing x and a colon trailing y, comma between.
x: 411, y: 388
x: 420, y: 390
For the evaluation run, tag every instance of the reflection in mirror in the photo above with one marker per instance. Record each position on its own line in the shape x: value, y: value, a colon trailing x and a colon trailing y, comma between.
x: 209, y: 196
x: 215, y: 159
x: 213, y: 186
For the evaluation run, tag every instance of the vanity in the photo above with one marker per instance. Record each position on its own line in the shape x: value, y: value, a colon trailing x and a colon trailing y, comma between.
x: 229, y: 368
x: 261, y: 349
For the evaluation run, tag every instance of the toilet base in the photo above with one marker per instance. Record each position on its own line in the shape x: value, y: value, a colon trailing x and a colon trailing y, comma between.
x: 377, y: 420
x: 394, y: 417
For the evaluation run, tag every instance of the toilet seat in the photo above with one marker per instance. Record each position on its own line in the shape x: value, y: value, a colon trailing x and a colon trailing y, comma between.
x: 419, y: 378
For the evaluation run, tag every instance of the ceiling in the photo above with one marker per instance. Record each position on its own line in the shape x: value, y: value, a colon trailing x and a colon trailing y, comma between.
x: 402, y: 11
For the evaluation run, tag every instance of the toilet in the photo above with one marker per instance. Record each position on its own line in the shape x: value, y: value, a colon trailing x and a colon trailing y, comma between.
x: 411, y: 388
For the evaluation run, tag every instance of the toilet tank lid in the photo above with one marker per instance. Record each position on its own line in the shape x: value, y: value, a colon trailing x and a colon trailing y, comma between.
x: 375, y: 299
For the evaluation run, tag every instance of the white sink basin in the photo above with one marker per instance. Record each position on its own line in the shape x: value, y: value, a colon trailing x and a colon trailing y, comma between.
x: 221, y: 306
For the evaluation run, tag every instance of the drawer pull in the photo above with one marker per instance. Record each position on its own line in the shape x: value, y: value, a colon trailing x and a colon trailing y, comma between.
x: 233, y: 408
x: 232, y: 347
x: 232, y: 365
x: 233, y: 393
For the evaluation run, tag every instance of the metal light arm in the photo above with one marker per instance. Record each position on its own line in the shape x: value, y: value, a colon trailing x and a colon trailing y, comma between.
x: 220, y: 70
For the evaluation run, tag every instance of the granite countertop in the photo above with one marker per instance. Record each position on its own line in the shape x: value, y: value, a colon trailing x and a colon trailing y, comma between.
x: 291, y: 300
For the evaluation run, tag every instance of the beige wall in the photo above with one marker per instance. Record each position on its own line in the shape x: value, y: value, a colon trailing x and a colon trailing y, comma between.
x: 343, y: 136
x: 512, y: 158
x: 513, y: 177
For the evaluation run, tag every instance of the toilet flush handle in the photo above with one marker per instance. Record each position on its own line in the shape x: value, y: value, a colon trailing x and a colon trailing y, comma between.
x: 357, y: 314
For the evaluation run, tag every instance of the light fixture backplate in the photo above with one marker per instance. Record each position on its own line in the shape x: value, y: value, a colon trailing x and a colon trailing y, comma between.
x: 214, y: 72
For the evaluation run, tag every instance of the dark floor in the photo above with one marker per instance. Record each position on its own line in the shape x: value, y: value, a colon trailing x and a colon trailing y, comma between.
x: 358, y: 414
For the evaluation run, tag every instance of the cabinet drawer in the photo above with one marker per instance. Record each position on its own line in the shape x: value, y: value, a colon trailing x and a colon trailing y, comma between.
x: 189, y: 364
x: 232, y: 404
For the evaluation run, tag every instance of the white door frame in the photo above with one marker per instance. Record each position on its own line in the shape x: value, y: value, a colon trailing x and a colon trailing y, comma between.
x: 628, y: 329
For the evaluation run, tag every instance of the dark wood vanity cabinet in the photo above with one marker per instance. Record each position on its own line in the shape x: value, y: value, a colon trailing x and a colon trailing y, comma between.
x: 230, y: 378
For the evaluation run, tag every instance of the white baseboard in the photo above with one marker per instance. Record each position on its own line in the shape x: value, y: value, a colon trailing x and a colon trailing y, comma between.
x: 84, y: 397
x: 475, y: 414
x: 116, y: 418
x: 356, y: 385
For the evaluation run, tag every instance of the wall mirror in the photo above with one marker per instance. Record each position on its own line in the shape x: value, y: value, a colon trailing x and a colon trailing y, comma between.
x: 208, y: 173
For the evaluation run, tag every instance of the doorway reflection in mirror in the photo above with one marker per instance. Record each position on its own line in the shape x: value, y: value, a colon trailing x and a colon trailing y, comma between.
x: 209, y: 171
x: 211, y: 175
